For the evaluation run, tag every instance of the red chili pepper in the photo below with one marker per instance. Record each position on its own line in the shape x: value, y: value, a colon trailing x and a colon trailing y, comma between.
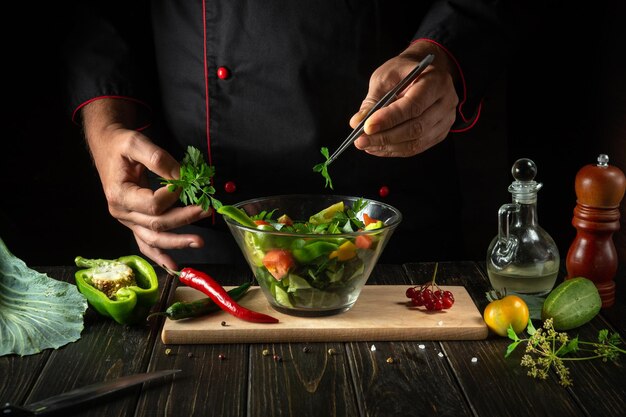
x: 203, y: 282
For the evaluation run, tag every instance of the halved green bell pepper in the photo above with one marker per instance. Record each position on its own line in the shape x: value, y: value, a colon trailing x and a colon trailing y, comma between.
x: 130, y: 304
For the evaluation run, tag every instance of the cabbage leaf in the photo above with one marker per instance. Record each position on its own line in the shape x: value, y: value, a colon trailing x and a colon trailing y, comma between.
x: 36, y: 312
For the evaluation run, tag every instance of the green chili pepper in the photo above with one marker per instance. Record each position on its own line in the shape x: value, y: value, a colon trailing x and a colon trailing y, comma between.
x: 261, y: 240
x: 186, y: 309
x: 123, y: 289
x: 237, y: 215
x: 310, y: 251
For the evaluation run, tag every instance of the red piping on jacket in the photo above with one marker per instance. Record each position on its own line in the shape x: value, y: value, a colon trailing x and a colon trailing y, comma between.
x: 91, y: 100
x: 206, y: 95
x: 460, y: 106
x: 206, y: 85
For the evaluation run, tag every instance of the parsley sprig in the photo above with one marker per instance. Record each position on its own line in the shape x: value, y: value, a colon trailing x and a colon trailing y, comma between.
x: 264, y: 215
x: 323, y: 168
x: 195, y: 181
x: 546, y: 348
x: 342, y: 222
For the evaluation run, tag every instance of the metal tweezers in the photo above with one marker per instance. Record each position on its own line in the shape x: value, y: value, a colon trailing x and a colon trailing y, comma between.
x: 383, y: 102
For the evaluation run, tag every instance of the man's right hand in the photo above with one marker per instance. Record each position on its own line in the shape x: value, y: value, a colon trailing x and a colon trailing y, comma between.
x: 122, y: 156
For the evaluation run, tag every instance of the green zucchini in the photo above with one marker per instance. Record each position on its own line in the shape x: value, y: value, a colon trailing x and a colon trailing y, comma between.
x: 572, y: 303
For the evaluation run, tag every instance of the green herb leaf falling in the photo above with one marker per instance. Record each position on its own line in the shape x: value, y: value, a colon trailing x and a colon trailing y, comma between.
x: 323, y: 168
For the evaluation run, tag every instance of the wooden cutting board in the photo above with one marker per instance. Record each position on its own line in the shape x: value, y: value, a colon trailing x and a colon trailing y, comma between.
x: 380, y: 314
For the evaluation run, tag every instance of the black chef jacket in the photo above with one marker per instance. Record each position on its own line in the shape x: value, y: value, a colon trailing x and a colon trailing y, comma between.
x: 261, y: 86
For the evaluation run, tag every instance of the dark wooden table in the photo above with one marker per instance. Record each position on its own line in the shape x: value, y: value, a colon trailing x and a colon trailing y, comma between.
x: 353, y: 382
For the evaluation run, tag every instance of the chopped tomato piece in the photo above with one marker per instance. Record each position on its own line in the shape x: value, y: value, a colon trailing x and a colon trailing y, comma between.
x: 363, y: 241
x: 261, y: 223
x: 278, y: 262
x: 367, y: 219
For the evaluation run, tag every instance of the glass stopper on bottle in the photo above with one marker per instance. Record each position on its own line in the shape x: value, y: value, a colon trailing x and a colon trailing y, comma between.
x: 524, y: 169
x: 603, y: 160
x: 524, y: 188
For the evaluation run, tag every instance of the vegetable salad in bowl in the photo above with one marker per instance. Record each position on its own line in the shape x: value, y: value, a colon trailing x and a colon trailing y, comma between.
x: 311, y: 254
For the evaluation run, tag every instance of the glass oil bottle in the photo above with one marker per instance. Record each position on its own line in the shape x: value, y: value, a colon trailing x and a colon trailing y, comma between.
x: 522, y: 258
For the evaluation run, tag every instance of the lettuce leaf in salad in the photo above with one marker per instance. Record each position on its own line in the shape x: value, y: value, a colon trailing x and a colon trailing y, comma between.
x: 36, y: 312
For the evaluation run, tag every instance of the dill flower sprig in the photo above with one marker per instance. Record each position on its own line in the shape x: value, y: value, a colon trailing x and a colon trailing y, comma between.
x: 546, y: 348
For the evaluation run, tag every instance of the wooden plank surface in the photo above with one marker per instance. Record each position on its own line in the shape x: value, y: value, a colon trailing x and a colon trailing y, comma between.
x: 380, y: 313
x: 503, y: 381
x: 305, y: 379
x: 490, y: 376
x: 214, y: 378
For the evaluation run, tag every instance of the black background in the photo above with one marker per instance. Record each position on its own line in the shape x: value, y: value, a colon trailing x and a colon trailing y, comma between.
x: 560, y: 103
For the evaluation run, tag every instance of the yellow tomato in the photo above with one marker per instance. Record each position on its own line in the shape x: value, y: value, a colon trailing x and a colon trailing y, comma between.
x: 509, y: 310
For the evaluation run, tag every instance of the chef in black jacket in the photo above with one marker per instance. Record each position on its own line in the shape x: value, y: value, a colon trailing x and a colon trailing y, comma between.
x: 259, y: 87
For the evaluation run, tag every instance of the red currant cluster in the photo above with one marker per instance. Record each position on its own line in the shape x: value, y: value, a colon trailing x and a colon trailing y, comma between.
x: 424, y: 295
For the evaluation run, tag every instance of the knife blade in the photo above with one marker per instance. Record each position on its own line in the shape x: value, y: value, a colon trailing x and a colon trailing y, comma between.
x: 80, y: 395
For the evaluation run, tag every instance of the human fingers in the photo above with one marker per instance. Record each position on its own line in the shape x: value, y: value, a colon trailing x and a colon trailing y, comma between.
x: 411, y: 137
x: 138, y: 148
x: 123, y: 174
x: 415, y: 113
x: 153, y: 244
x: 382, y: 81
x: 430, y: 88
x: 136, y: 197
x: 171, y: 219
x: 158, y: 256
x: 397, y: 129
x: 166, y: 240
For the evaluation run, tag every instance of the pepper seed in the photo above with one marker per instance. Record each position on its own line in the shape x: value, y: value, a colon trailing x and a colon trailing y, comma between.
x: 277, y: 358
x: 221, y: 356
x: 224, y: 323
x: 190, y: 355
x: 390, y: 360
x: 265, y: 352
x: 306, y: 349
x: 331, y: 352
x: 168, y: 351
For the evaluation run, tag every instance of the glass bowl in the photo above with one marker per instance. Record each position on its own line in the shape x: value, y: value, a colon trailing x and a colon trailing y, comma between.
x: 310, y: 274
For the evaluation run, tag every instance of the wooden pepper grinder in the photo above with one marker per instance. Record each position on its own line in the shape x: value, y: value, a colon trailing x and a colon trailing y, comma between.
x: 599, y: 191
